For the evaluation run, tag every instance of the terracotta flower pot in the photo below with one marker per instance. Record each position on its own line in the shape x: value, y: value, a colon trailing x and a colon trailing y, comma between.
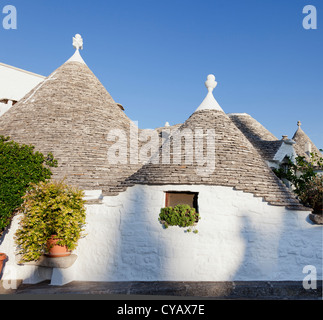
x: 2, y: 258
x: 54, y: 250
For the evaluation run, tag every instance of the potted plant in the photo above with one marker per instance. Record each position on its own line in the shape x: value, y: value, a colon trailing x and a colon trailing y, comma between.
x: 181, y: 215
x: 3, y: 257
x: 53, y: 215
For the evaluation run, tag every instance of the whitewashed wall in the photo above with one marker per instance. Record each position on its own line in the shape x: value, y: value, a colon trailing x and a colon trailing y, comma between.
x: 240, y: 238
x: 15, y: 83
x: 4, y: 107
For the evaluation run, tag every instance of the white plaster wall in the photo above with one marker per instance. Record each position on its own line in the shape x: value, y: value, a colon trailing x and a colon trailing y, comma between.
x: 13, y: 271
x: 4, y: 107
x: 286, y: 149
x: 15, y: 83
x: 240, y: 238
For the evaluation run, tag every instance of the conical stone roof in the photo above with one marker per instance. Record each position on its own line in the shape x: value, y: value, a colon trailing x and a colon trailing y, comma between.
x: 263, y: 140
x: 70, y: 114
x: 304, y: 145
x: 234, y: 161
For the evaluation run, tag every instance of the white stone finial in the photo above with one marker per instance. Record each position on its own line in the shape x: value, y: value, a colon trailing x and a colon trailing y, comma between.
x: 210, y: 83
x: 78, y: 42
x: 167, y: 124
x: 78, y: 45
x: 299, y: 123
x: 209, y: 102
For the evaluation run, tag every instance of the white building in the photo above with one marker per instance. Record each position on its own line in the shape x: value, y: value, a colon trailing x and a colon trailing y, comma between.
x: 15, y: 83
x: 251, y: 228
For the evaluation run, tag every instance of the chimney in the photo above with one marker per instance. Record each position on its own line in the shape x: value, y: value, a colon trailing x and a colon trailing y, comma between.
x: 308, y: 148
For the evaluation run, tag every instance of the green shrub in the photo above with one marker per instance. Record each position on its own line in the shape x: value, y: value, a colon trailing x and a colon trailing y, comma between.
x: 181, y: 215
x: 19, y: 166
x: 50, y: 208
x: 312, y: 196
x: 306, y: 182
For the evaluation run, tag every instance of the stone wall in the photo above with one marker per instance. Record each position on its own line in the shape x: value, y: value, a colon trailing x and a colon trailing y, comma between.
x: 240, y: 238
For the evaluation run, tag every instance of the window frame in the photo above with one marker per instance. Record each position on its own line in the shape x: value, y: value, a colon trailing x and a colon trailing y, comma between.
x: 195, y: 197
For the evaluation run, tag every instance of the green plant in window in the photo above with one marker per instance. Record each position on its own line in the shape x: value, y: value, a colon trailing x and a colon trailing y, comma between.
x: 181, y: 215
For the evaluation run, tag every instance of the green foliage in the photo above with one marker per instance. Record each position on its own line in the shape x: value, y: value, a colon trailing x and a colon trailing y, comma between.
x: 19, y: 166
x: 50, y: 208
x: 306, y: 183
x: 313, y: 195
x: 181, y: 215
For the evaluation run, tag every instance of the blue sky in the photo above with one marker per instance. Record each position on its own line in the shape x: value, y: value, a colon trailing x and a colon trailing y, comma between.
x: 153, y: 56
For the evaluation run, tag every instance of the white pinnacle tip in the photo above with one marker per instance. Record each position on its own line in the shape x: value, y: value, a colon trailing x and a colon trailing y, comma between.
x: 78, y: 42
x: 209, y: 103
x: 210, y: 83
x: 78, y: 45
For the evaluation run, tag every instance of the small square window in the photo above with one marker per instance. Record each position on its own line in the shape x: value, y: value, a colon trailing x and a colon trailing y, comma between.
x: 174, y: 198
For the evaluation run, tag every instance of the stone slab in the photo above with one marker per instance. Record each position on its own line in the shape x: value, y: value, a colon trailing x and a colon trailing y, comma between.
x: 61, y: 262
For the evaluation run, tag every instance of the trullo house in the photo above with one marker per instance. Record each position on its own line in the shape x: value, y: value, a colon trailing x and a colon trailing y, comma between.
x: 251, y: 228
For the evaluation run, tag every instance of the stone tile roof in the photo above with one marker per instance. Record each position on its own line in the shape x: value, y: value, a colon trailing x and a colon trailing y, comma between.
x: 237, y: 163
x: 70, y: 114
x: 301, y: 139
x: 263, y: 140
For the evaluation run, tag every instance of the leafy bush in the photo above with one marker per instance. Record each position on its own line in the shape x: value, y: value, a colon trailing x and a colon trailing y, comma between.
x: 19, y: 166
x: 181, y: 215
x: 50, y: 208
x: 313, y: 195
x: 307, y: 184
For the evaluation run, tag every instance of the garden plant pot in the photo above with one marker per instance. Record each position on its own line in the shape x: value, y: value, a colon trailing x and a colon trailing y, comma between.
x: 3, y: 257
x: 54, y: 250
x: 318, y: 209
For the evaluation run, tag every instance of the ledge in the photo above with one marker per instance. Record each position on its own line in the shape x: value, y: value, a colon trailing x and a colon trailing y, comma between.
x: 62, y: 262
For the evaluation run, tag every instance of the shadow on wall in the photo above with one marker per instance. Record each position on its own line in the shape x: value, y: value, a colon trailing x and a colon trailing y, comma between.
x: 126, y: 242
x: 133, y: 246
x: 278, y: 249
x: 137, y: 243
x: 120, y: 245
x: 260, y: 256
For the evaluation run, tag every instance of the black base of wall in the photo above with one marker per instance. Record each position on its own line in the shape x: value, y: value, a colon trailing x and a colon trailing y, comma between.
x: 277, y: 290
